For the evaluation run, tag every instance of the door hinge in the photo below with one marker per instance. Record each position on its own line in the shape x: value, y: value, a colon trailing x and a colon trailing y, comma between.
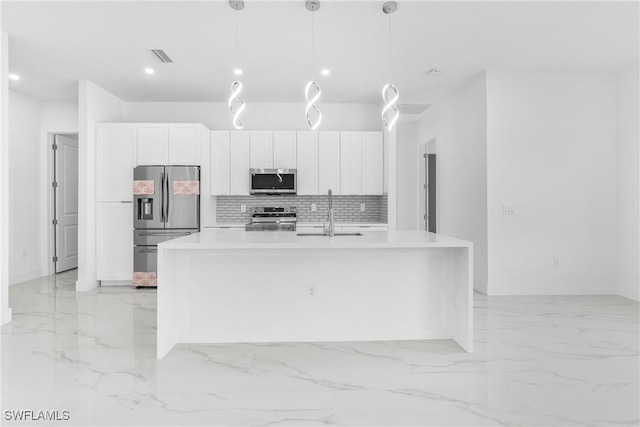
x: 424, y: 155
x: 55, y: 259
x: 425, y: 186
x: 55, y: 222
x: 54, y: 184
x: 54, y: 147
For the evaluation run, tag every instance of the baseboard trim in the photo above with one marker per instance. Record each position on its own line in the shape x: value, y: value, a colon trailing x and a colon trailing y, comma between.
x: 550, y: 289
x: 25, y: 276
x: 86, y: 285
x: 112, y: 283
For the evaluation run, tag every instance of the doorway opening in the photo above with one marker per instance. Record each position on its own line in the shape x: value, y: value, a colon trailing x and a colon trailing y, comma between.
x: 430, y: 186
x: 64, y: 186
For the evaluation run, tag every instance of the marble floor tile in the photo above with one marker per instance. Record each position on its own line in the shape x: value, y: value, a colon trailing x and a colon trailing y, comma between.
x: 538, y: 361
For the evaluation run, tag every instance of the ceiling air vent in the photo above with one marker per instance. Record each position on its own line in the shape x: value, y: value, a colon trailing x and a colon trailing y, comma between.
x: 412, y: 108
x: 162, y: 56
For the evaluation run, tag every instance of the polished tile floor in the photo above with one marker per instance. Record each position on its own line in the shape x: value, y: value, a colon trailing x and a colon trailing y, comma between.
x: 539, y: 361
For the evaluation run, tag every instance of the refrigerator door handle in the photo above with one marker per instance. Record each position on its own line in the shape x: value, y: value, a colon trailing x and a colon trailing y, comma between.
x: 162, y: 218
x: 168, y: 198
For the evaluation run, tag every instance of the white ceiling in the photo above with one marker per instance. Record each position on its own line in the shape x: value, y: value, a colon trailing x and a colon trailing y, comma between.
x: 52, y: 44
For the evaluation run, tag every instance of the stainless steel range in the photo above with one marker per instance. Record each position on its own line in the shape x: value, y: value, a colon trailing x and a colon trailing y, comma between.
x: 273, y: 219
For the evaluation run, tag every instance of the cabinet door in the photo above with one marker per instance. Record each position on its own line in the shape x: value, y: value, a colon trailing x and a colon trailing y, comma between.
x: 372, y: 163
x: 284, y: 150
x: 114, y: 241
x: 153, y: 144
x: 329, y: 162
x: 184, y: 144
x: 350, y: 163
x: 261, y: 151
x: 220, y: 162
x: 115, y: 160
x: 239, y: 164
x: 307, y: 163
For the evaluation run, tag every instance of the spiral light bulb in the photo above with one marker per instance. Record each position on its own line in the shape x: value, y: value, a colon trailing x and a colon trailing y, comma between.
x: 236, y: 104
x: 390, y: 105
x: 311, y: 105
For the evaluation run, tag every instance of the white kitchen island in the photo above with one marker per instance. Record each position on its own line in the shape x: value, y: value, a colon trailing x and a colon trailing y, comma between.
x: 235, y: 286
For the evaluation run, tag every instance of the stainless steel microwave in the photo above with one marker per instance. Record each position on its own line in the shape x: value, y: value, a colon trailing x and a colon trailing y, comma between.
x: 272, y: 181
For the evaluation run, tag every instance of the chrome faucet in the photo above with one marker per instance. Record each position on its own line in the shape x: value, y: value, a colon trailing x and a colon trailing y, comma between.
x: 331, y: 231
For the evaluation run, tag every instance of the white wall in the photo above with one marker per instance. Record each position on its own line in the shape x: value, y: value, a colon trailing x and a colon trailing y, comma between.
x: 60, y: 115
x: 628, y: 184
x: 551, y: 156
x: 407, y: 138
x: 257, y: 115
x: 460, y: 127
x: 25, y: 193
x: 5, y: 311
x: 96, y: 105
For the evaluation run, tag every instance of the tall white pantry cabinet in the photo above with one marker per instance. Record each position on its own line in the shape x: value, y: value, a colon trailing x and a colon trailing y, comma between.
x: 120, y: 147
x: 348, y: 163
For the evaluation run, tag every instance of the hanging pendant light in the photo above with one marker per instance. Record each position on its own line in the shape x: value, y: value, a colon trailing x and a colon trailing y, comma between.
x: 236, y: 104
x: 390, y: 94
x: 312, y: 86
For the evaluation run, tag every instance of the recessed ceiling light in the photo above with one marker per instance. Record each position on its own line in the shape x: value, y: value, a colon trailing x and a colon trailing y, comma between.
x: 14, y: 77
x: 434, y: 72
x: 237, y: 72
x: 325, y: 72
x: 149, y: 70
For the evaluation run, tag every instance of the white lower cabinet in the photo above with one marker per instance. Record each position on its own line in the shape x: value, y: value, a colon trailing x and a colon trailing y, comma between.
x: 114, y: 235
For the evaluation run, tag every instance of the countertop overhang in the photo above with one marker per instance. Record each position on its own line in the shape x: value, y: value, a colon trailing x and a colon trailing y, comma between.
x: 240, y: 239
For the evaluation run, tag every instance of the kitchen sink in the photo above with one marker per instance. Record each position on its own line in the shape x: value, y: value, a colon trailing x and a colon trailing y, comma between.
x: 336, y: 235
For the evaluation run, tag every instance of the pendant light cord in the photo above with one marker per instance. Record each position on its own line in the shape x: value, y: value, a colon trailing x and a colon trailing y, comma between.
x: 313, y: 47
x: 389, y: 37
x: 236, y: 36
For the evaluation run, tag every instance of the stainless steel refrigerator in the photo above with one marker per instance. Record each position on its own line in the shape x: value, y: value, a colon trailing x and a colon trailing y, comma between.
x: 166, y: 206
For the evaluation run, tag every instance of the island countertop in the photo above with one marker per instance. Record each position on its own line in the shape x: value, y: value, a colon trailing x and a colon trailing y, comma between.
x: 240, y: 239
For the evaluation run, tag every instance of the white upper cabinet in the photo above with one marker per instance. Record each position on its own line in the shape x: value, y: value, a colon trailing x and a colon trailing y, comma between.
x: 372, y: 163
x: 220, y: 163
x: 184, y: 144
x: 153, y: 144
x: 115, y: 160
x: 284, y: 150
x: 350, y: 163
x: 307, y: 163
x: 261, y: 150
x: 239, y: 163
x: 329, y: 162
x: 170, y: 144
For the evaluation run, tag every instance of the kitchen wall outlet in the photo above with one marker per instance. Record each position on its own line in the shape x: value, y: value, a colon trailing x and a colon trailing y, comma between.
x: 243, y: 208
x: 363, y: 207
x: 23, y: 253
x: 312, y: 291
x: 508, y: 210
x: 556, y: 261
x: 313, y: 207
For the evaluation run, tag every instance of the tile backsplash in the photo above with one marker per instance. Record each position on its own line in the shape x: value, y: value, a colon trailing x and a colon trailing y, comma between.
x: 346, y: 208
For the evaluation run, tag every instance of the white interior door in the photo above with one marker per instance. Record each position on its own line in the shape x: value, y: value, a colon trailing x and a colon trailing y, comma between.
x: 66, y: 202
